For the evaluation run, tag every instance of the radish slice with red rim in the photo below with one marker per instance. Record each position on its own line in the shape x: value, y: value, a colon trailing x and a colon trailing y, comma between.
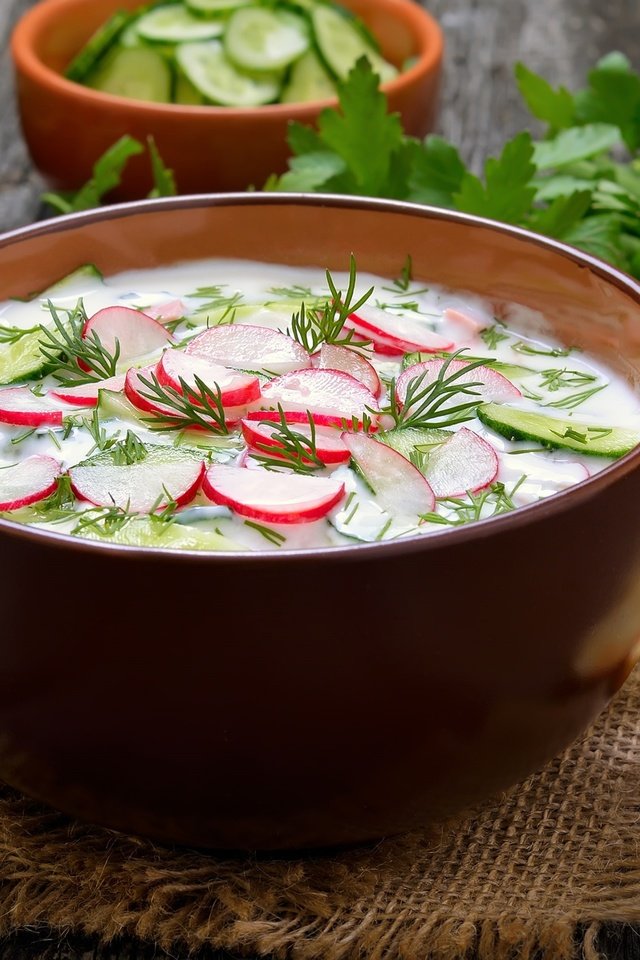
x: 164, y: 475
x: 331, y: 397
x: 399, y: 487
x: 490, y: 385
x: 464, y: 464
x: 87, y: 394
x: 236, y: 389
x: 138, y: 394
x: 271, y: 496
x: 20, y: 407
x: 263, y: 438
x: 248, y: 347
x: 166, y: 312
x: 137, y: 334
x: 389, y: 332
x: 28, y: 482
x: 334, y: 357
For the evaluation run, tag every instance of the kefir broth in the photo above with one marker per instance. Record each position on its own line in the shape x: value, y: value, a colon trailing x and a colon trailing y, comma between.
x: 544, y: 377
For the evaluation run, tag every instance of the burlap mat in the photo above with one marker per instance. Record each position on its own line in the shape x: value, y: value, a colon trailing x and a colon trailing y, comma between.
x: 531, y: 876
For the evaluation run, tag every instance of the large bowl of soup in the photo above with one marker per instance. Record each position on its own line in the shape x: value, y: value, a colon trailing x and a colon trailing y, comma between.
x: 339, y: 678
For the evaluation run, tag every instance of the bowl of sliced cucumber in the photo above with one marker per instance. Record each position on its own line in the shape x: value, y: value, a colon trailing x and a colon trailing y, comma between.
x: 215, y: 82
x: 331, y: 507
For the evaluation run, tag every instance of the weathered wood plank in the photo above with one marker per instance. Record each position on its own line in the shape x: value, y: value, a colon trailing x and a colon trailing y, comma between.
x: 480, y: 103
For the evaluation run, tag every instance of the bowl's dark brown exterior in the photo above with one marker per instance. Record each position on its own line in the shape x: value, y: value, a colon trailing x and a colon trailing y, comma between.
x: 68, y: 126
x: 287, y: 700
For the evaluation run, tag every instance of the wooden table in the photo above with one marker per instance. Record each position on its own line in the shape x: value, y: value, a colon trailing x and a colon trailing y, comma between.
x: 480, y: 109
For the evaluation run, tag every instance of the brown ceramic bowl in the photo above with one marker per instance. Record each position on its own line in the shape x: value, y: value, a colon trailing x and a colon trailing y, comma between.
x: 68, y: 126
x: 363, y: 690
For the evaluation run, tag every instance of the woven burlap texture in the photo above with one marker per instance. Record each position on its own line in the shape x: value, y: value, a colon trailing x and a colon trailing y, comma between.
x: 531, y: 876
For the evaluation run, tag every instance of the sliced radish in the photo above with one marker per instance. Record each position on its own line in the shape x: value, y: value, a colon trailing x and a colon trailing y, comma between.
x: 249, y: 347
x: 332, y: 397
x: 491, y: 385
x: 136, y: 333
x: 136, y: 393
x: 399, y: 486
x: 333, y: 357
x: 165, y: 474
x: 463, y: 323
x: 263, y: 438
x: 87, y: 394
x: 235, y: 388
x: 166, y: 312
x: 464, y: 464
x: 27, y: 482
x: 393, y: 334
x: 270, y: 496
x: 22, y: 408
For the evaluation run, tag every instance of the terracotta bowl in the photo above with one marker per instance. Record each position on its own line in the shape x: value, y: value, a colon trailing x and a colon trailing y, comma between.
x: 361, y: 691
x: 68, y: 126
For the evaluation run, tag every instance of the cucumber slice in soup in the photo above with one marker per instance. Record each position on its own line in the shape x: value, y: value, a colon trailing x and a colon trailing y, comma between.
x: 101, y: 41
x: 215, y: 7
x: 175, y: 24
x: 308, y: 81
x: 137, y: 73
x: 185, y: 93
x: 143, y: 532
x: 406, y: 440
x: 341, y: 44
x: 594, y: 440
x: 209, y: 70
x: 260, y: 38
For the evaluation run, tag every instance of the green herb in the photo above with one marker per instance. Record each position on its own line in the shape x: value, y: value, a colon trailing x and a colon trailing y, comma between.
x: 313, y: 327
x: 56, y: 506
x: 492, y: 336
x: 105, y: 521
x: 560, y: 378
x: 430, y: 405
x: 198, y: 406
x: 529, y: 350
x: 277, y: 539
x: 107, y: 174
x: 575, y: 399
x: 583, y: 436
x: 23, y: 436
x: 216, y: 299
x: 293, y: 450
x: 64, y: 347
x: 14, y: 334
x: 496, y: 499
x: 101, y: 439
x: 128, y: 451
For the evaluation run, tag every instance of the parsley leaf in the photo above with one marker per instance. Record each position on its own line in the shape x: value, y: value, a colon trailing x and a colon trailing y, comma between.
x: 555, y: 107
x: 508, y: 193
x: 107, y: 173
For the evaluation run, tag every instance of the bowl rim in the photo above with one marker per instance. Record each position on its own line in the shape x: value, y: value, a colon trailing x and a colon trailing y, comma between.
x: 424, y: 27
x: 557, y: 503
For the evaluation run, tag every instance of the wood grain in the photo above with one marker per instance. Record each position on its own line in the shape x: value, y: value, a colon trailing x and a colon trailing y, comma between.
x: 480, y: 103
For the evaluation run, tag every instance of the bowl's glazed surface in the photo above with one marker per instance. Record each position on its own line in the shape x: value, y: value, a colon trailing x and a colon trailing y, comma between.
x: 68, y: 126
x: 287, y: 700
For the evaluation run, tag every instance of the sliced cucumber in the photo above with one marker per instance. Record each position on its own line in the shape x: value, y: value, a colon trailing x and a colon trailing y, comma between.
x: 88, y: 271
x: 409, y: 439
x: 209, y: 70
x: 137, y: 73
x: 215, y: 7
x: 341, y: 44
x: 590, y: 439
x: 21, y: 359
x: 308, y: 81
x: 261, y: 38
x: 101, y: 41
x: 185, y: 93
x: 176, y: 24
x: 143, y: 532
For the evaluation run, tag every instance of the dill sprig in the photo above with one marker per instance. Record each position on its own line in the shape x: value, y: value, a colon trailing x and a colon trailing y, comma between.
x: 559, y: 378
x: 293, y: 450
x: 492, y: 336
x: 195, y: 406
x: 128, y: 451
x: 471, y: 508
x: 64, y: 347
x: 426, y: 406
x: 326, y: 325
x: 105, y: 521
x: 272, y: 536
x: 10, y: 335
x: 522, y: 347
x: 217, y: 300
x: 402, y: 284
x: 575, y: 399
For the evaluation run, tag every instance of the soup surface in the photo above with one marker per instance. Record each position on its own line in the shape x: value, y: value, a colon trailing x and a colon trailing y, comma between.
x: 230, y: 405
